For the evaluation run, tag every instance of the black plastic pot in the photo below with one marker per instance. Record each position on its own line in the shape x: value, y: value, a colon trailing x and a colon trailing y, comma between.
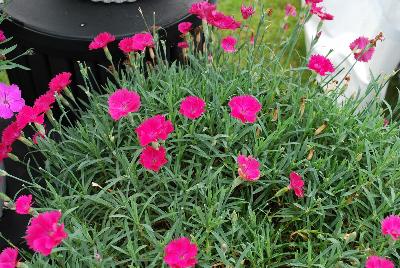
x: 59, y: 32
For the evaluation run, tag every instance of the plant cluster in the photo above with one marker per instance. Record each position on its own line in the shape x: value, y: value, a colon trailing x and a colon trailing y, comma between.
x: 234, y: 159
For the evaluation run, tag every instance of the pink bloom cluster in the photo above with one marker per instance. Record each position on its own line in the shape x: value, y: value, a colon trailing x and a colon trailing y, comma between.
x: 35, y: 114
x: 208, y: 12
x: 180, y: 253
x: 151, y: 131
x: 359, y: 48
x: 248, y: 168
x: 45, y: 232
x: 320, y: 64
x: 101, y: 41
x: 122, y: 102
x: 8, y: 258
x: 296, y: 184
x: 138, y: 42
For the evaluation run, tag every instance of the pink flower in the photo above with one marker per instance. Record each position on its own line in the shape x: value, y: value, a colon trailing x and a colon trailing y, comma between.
x: 252, y: 39
x: 8, y: 258
x: 23, y: 204
x: 180, y: 253
x: 192, y: 107
x: 10, y: 100
x: 45, y: 233
x: 60, y: 82
x: 320, y: 65
x: 297, y: 184
x: 10, y: 134
x: 28, y: 115
x: 378, y: 262
x: 202, y: 9
x: 245, y: 108
x: 122, y: 102
x: 183, y: 44
x: 391, y: 226
x: 358, y: 47
x: 126, y: 45
x: 184, y: 27
x: 44, y: 102
x: 309, y: 2
x: 153, y: 129
x: 248, y: 168
x: 247, y: 11
x: 316, y: 10
x: 290, y: 10
x: 386, y: 122
x: 228, y: 44
x: 101, y: 41
x: 153, y: 159
x: 221, y: 21
x: 142, y: 40
x: 2, y: 36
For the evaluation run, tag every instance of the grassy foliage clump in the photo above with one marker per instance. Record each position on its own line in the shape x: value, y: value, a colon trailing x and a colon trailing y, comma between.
x: 118, y: 214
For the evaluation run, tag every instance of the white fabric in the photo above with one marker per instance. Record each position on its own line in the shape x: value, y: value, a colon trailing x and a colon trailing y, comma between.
x: 354, y: 18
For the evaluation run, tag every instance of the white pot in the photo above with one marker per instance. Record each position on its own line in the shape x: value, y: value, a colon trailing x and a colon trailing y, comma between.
x: 114, y: 1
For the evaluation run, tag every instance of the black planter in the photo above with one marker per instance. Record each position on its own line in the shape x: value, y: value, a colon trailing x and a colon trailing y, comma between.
x: 59, y: 32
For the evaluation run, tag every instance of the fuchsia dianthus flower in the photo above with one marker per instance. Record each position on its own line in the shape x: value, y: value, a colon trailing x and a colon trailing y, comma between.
x: 126, y: 45
x: 320, y: 64
x: 245, y: 108
x: 152, y: 158
x: 290, y: 10
x: 60, y: 82
x: 180, y: 253
x: 10, y: 134
x: 202, y: 9
x: 296, y: 184
x: 192, y: 107
x: 378, y: 262
x: 359, y: 46
x: 221, y: 21
x: 29, y: 115
x: 317, y: 10
x: 8, y: 258
x: 153, y: 129
x: 101, y: 41
x: 142, y: 40
x: 45, y: 232
x: 228, y: 44
x: 10, y: 100
x: 23, y: 204
x: 184, y: 27
x: 391, y: 226
x: 248, y: 168
x: 122, y: 102
x: 44, y: 102
x: 247, y: 11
